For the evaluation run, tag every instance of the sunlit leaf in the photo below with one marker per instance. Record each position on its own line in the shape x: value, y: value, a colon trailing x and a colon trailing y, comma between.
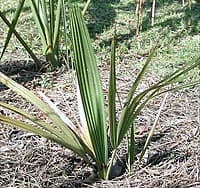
x: 90, y: 86
x: 68, y: 135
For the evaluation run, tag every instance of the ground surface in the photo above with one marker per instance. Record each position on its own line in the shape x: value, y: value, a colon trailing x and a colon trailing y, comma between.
x: 173, y: 157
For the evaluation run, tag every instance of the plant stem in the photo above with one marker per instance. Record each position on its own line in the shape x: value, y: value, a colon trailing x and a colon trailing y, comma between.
x: 86, y: 7
x: 111, y: 162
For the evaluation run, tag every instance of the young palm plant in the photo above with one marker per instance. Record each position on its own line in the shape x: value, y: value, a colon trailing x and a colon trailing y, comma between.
x: 50, y: 20
x: 47, y: 20
x: 92, y: 140
x: 48, y: 23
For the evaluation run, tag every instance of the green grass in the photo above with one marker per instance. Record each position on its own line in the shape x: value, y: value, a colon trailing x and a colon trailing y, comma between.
x: 171, y: 19
x: 171, y: 23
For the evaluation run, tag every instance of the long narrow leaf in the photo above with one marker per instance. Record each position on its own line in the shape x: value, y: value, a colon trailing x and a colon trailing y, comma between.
x: 178, y: 88
x: 24, y: 44
x: 171, y: 78
x: 83, y: 127
x: 140, y: 76
x: 112, y: 96
x: 126, y: 118
x: 37, y: 131
x: 132, y: 108
x: 131, y: 147
x: 57, y: 111
x: 14, y: 22
x: 153, y: 127
x: 90, y: 86
x: 35, y: 120
x: 52, y: 19
x: 44, y: 17
x: 28, y: 127
x: 35, y: 7
x: 57, y: 22
x: 86, y: 6
x: 157, y: 93
x: 68, y: 122
x: 68, y: 135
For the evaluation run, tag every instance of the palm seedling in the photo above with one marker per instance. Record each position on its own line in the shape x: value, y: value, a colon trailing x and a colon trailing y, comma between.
x: 92, y: 140
x: 50, y: 20
x: 47, y: 20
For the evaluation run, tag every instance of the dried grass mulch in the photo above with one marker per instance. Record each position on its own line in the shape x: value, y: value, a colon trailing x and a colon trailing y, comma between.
x: 172, y: 159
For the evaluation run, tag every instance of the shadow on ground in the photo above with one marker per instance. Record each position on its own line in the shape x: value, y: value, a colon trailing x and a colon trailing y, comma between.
x: 101, y: 16
x: 189, y: 17
x: 186, y: 19
x: 20, y: 71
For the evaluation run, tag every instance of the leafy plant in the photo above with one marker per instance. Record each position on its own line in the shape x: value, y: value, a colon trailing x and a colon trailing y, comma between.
x: 92, y: 140
x: 48, y: 23
x: 50, y: 19
x: 12, y: 30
